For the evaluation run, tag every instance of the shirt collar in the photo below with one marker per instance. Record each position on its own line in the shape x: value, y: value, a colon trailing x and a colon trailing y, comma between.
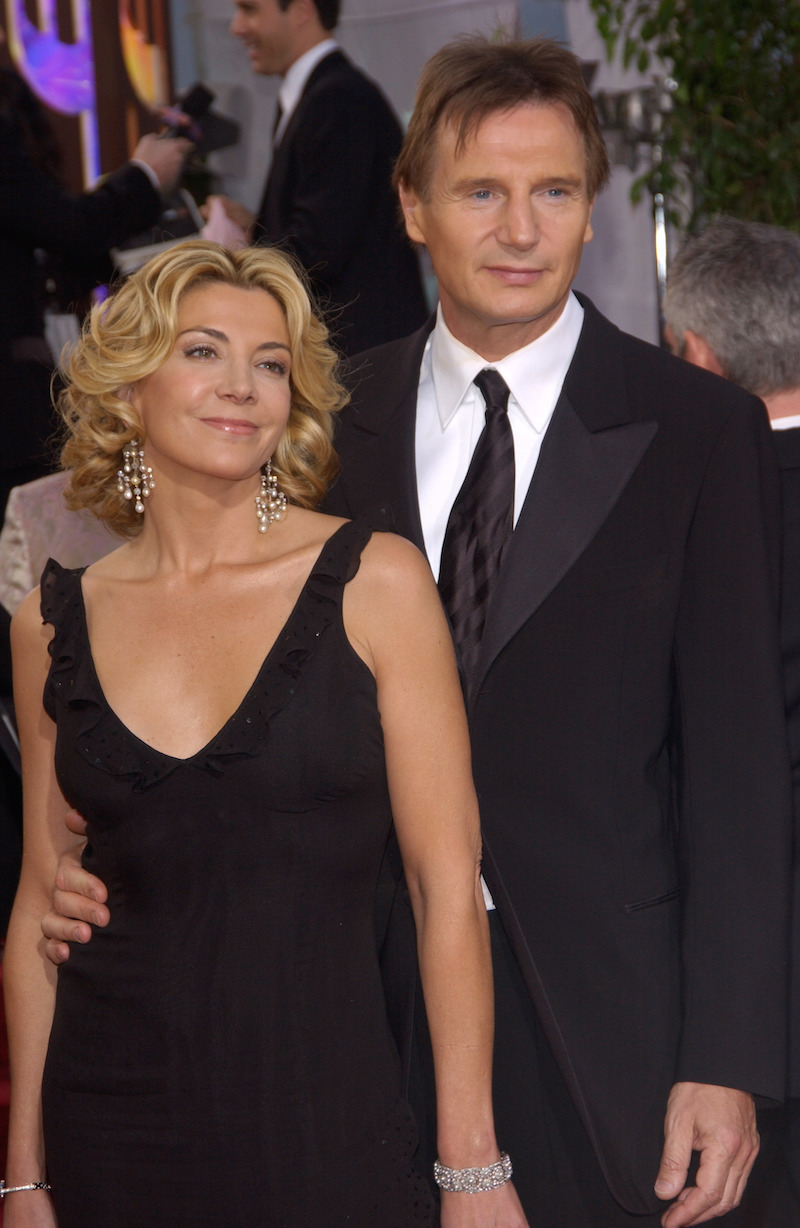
x: 788, y: 423
x: 534, y: 373
x: 298, y: 73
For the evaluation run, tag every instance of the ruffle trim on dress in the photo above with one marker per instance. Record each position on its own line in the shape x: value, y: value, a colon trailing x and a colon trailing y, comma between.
x: 106, y: 743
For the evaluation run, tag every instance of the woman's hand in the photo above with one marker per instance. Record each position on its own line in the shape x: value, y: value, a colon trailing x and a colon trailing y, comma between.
x: 29, y: 1209
x: 498, y: 1208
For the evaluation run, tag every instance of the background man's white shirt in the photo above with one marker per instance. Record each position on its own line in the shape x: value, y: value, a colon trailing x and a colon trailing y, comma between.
x: 788, y: 423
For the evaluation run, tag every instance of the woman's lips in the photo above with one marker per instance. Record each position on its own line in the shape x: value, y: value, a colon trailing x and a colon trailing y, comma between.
x: 231, y: 426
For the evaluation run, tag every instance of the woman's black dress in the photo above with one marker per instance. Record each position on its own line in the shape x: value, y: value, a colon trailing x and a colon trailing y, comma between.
x: 220, y: 1053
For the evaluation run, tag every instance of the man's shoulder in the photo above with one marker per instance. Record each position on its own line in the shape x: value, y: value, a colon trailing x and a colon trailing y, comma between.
x: 338, y: 75
x: 648, y: 380
x: 386, y: 368
x: 387, y: 352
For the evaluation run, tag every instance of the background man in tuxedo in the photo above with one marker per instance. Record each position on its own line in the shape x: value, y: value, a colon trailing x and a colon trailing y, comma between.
x: 601, y: 519
x: 328, y: 195
x: 733, y: 306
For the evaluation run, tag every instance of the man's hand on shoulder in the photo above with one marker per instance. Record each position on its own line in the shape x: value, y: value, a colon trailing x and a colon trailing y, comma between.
x: 720, y: 1123
x: 78, y: 900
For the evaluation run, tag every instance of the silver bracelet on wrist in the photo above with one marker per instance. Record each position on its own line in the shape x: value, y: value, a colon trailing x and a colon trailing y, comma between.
x: 473, y: 1180
x: 15, y: 1189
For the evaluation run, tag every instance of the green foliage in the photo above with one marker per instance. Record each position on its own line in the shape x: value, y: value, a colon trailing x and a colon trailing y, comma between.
x: 733, y: 133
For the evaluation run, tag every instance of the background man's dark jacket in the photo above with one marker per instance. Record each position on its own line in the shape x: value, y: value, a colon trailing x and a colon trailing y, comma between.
x: 37, y: 212
x: 787, y: 444
x: 329, y: 198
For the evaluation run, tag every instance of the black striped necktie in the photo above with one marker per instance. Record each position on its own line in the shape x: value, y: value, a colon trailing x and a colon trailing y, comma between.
x: 480, y: 524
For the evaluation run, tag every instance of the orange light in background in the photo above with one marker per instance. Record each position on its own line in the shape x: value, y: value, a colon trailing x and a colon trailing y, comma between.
x: 145, y: 54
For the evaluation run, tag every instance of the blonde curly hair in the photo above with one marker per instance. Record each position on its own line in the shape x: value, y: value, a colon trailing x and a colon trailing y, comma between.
x: 132, y: 334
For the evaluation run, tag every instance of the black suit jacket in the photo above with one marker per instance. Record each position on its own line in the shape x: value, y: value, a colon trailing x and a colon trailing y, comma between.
x: 36, y: 212
x: 329, y: 198
x: 627, y: 728
x: 787, y: 444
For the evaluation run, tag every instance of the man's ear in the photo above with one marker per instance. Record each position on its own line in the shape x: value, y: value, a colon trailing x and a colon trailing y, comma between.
x: 412, y: 207
x: 697, y: 350
x: 304, y: 11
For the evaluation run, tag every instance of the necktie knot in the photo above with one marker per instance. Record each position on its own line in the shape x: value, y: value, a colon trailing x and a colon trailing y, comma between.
x: 494, y: 390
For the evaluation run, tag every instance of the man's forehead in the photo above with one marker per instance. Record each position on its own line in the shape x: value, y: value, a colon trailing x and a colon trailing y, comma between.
x: 458, y: 131
x: 456, y: 142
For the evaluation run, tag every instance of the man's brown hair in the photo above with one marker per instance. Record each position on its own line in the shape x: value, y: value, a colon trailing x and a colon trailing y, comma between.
x: 472, y: 78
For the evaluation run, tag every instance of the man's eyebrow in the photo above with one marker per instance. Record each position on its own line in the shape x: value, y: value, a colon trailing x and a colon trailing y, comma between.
x: 465, y: 185
x: 561, y: 181
x: 220, y: 336
x: 553, y: 181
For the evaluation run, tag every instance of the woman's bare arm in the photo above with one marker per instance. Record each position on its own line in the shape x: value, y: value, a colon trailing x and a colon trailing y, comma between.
x: 29, y: 979
x: 395, y: 620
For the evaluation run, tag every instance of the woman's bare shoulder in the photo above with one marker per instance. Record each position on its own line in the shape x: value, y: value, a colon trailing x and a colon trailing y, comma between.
x: 394, y: 581
x: 391, y: 559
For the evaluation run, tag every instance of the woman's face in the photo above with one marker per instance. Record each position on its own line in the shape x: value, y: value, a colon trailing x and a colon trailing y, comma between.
x: 221, y: 401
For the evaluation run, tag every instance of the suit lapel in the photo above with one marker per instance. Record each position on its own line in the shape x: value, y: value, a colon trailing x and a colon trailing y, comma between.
x: 588, y: 456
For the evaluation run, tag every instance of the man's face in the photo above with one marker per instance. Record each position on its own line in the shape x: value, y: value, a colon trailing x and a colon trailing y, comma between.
x: 505, y: 221
x: 268, y: 33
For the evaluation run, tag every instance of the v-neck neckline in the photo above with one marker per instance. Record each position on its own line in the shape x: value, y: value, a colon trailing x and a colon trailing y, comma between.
x: 264, y: 667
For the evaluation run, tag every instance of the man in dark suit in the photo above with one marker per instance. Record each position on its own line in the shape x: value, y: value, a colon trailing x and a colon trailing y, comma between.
x: 624, y: 705
x: 620, y: 661
x: 328, y: 195
x: 733, y: 306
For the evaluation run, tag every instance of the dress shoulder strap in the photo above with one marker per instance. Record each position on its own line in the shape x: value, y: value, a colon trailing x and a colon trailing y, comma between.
x: 62, y: 608
x: 60, y: 589
x: 340, y: 557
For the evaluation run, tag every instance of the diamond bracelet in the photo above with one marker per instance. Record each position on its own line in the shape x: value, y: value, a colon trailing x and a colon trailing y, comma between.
x: 473, y: 1180
x: 15, y: 1189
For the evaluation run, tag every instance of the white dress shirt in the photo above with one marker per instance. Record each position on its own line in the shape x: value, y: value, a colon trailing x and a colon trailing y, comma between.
x: 787, y: 423
x: 295, y: 80
x: 451, y: 414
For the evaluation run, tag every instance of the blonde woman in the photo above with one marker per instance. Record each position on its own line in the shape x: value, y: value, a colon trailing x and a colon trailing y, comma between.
x: 238, y: 700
